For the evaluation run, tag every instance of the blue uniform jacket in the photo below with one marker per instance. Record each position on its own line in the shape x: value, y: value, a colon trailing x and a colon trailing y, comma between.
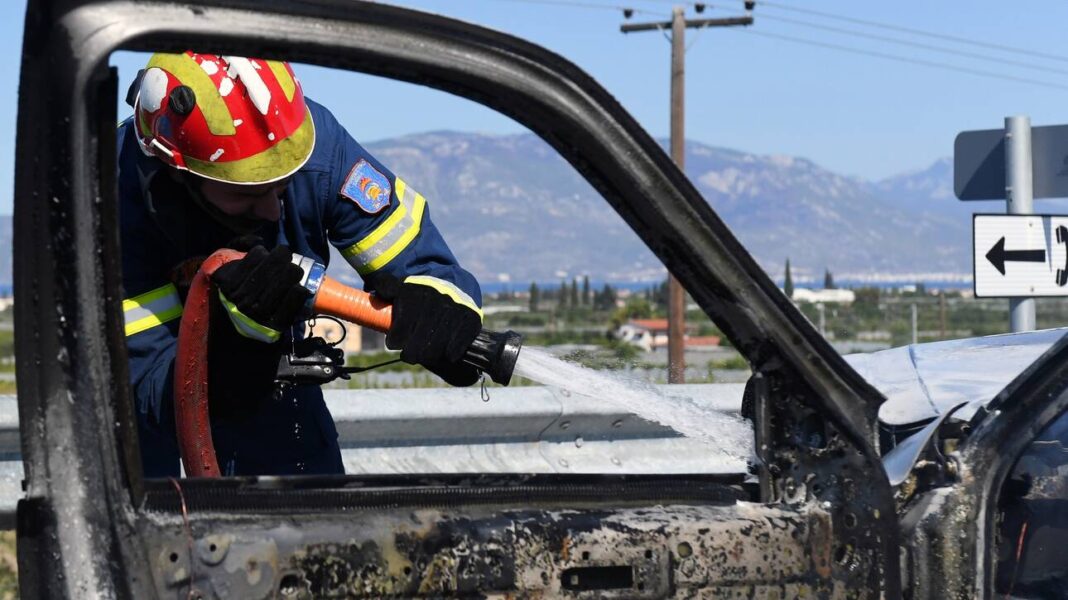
x: 342, y: 196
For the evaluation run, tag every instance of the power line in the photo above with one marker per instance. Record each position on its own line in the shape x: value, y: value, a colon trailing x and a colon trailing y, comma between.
x: 879, y: 25
x: 912, y: 31
x: 905, y: 59
x: 860, y: 51
x: 899, y: 42
x: 919, y: 45
x: 592, y: 5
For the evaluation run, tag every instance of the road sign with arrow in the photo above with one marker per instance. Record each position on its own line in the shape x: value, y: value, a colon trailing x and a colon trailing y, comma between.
x: 1020, y: 255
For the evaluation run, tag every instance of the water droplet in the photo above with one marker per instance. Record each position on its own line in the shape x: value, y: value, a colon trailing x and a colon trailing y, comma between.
x: 579, y: 442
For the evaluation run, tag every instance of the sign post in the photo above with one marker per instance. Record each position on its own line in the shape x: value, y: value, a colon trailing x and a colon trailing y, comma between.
x: 1018, y: 164
x: 1019, y: 201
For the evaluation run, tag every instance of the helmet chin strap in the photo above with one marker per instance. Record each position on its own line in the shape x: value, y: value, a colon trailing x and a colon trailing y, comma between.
x: 235, y: 223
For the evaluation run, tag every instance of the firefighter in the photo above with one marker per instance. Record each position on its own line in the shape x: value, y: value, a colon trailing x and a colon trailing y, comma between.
x: 225, y: 151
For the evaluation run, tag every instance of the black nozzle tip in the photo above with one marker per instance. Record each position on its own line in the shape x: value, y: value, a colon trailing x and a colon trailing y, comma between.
x: 495, y: 354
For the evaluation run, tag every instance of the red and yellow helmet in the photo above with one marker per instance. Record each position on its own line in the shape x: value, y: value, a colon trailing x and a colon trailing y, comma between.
x: 228, y: 118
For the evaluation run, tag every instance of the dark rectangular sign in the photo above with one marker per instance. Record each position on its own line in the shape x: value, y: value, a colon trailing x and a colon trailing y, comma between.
x: 979, y: 163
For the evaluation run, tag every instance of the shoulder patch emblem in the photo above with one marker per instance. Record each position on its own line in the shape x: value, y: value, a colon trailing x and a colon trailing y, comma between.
x: 367, y: 187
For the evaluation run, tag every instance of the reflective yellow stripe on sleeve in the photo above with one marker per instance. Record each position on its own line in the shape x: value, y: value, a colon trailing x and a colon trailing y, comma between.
x: 448, y: 288
x: 392, y: 236
x: 246, y: 326
x: 150, y: 309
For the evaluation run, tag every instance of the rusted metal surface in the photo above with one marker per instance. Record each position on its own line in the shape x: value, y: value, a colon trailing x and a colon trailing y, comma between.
x: 805, y: 458
x: 745, y: 551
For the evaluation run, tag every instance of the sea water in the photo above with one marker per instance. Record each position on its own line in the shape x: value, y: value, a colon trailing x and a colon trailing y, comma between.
x: 722, y: 432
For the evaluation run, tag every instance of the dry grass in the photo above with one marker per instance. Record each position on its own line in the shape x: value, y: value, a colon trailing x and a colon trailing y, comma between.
x: 9, y: 569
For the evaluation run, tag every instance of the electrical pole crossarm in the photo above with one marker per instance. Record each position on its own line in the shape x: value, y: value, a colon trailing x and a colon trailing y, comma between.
x: 692, y: 23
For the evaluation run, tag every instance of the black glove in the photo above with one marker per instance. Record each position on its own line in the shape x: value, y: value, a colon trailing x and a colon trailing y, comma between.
x: 265, y: 289
x: 430, y: 328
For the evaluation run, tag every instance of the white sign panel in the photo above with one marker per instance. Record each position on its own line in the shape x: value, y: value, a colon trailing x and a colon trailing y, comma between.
x: 1020, y: 255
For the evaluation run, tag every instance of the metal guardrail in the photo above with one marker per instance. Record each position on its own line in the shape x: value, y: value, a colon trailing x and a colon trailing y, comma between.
x: 452, y: 430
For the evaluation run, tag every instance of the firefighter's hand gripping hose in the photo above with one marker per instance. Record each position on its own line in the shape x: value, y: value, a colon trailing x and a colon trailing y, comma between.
x: 430, y: 327
x: 491, y: 352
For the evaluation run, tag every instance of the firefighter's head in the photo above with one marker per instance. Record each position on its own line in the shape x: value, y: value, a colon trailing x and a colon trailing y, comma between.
x: 234, y: 129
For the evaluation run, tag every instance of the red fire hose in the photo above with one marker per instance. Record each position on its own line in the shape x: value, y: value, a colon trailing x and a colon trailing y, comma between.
x: 191, y: 365
x: 492, y: 353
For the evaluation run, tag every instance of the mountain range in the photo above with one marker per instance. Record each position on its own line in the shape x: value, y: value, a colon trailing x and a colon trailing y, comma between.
x: 513, y: 211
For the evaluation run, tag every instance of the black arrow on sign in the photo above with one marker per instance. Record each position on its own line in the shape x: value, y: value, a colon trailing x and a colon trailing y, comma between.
x: 998, y: 256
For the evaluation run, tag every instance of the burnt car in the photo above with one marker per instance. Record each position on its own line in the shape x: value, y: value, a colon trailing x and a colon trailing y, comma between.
x: 948, y: 502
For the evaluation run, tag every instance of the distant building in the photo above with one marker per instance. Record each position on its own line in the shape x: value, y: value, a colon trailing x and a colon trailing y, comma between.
x: 836, y: 296
x: 652, y: 334
x: 496, y: 309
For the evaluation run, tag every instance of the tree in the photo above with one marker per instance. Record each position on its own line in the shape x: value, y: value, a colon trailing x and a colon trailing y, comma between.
x: 828, y: 280
x: 658, y: 295
x: 605, y: 299
x: 535, y: 297
x: 586, y: 290
x: 574, y: 293
x: 635, y: 308
x: 788, y: 282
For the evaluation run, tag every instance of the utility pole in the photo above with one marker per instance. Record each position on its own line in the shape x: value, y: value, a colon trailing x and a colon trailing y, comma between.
x: 942, y: 315
x: 678, y: 26
x: 915, y: 336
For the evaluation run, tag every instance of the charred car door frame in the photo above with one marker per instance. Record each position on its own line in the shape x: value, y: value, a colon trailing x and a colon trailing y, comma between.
x: 85, y: 500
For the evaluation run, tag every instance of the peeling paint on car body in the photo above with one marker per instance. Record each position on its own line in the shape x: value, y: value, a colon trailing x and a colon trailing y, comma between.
x: 520, y: 553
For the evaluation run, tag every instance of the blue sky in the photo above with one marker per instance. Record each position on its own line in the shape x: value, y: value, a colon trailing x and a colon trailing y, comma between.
x: 857, y: 115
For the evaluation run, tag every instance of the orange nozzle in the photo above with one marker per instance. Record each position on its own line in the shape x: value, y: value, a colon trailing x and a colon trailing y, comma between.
x: 356, y: 306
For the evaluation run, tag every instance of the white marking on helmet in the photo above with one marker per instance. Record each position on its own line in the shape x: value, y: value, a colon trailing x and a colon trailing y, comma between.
x: 226, y: 86
x: 243, y: 69
x: 153, y: 89
x: 237, y: 122
x: 215, y: 157
x: 210, y: 66
x: 270, y: 136
x: 156, y: 144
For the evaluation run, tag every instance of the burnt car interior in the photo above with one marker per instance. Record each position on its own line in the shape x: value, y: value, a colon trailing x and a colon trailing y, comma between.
x: 817, y: 517
x: 1031, y: 518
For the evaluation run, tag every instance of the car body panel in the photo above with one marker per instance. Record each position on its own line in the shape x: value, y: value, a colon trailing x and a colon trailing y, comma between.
x: 921, y: 381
